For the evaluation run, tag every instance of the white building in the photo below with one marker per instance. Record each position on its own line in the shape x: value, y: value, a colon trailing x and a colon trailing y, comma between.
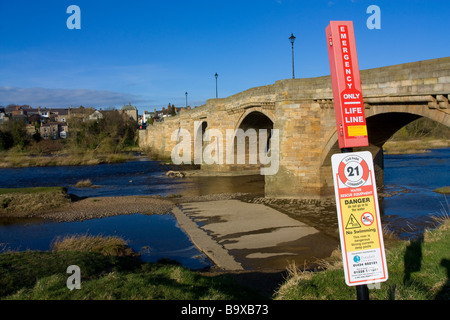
x: 96, y: 115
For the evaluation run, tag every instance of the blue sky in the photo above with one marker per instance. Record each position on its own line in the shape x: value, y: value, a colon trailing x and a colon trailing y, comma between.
x: 149, y: 53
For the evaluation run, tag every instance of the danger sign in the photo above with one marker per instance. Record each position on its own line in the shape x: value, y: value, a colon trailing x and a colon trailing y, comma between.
x: 359, y: 219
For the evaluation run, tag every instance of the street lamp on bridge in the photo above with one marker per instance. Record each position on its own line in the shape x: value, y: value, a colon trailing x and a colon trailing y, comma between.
x: 292, y: 39
x: 216, y: 75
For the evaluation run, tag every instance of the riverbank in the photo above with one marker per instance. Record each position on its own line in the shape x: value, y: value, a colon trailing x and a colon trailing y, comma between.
x: 55, y: 204
x: 58, y: 206
x: 17, y: 159
x: 414, y: 146
x: 23, y: 202
x: 418, y: 270
x: 12, y: 159
x: 110, y: 270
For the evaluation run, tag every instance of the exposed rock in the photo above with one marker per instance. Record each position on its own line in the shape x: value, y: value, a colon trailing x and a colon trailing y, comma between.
x: 175, y: 174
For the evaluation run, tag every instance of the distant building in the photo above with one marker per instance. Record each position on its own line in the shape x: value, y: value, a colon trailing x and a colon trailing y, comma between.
x: 2, y: 115
x: 97, y: 115
x: 80, y: 113
x: 61, y: 115
x: 30, y: 129
x: 19, y: 114
x: 147, y: 115
x: 130, y: 111
x: 44, y: 112
x: 54, y: 130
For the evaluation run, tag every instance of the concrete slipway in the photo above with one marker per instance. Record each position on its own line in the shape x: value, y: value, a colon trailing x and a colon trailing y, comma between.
x: 237, y: 235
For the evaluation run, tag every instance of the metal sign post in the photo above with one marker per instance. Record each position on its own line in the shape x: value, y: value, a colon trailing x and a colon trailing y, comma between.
x: 353, y: 173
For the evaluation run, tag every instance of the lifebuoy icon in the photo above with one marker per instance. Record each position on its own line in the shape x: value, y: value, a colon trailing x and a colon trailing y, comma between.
x: 353, y: 171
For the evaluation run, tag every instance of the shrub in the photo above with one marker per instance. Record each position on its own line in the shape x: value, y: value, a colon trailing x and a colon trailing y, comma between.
x: 108, y: 246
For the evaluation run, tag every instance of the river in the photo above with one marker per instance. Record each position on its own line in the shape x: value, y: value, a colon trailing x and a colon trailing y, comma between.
x: 407, y: 210
x: 412, y: 179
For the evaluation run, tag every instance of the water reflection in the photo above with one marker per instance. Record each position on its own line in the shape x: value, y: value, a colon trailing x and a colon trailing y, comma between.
x: 154, y: 236
x: 200, y: 186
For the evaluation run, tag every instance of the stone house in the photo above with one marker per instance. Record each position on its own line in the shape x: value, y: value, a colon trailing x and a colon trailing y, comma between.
x: 130, y: 111
x: 54, y: 130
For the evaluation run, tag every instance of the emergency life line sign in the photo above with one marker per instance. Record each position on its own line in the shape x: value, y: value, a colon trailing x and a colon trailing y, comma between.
x: 346, y: 83
x: 359, y: 221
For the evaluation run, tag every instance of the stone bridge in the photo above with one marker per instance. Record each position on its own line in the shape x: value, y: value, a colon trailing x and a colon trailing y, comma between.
x: 303, y: 112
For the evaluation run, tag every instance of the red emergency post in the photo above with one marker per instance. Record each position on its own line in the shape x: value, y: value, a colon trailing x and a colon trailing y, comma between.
x: 347, y: 94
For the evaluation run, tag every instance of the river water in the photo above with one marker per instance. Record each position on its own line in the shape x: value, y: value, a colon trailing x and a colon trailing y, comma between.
x: 407, y: 210
x: 411, y: 178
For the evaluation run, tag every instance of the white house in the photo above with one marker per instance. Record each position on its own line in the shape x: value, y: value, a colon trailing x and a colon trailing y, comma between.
x: 147, y: 115
x: 96, y: 115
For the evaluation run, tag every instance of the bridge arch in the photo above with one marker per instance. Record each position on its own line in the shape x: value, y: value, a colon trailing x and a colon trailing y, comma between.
x: 382, y: 124
x: 249, y: 124
x: 255, y: 116
x: 200, y: 127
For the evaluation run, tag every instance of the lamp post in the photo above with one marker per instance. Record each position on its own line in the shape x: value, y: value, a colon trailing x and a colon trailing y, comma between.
x: 216, y: 75
x: 186, y: 98
x: 292, y: 39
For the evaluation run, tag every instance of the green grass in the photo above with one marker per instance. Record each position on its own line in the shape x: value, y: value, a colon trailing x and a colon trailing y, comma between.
x: 14, y: 159
x: 24, y: 201
x: 418, y: 270
x: 32, y: 190
x: 106, y: 278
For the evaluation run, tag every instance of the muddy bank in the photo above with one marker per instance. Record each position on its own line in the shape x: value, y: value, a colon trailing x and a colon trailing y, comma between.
x: 99, y: 207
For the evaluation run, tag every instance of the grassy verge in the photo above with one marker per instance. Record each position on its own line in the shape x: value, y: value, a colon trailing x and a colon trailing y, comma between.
x: 106, y: 275
x: 418, y: 270
x: 32, y: 190
x: 13, y: 159
x: 32, y: 200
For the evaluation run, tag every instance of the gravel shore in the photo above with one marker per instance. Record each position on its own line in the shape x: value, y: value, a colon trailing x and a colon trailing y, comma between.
x: 99, y: 207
